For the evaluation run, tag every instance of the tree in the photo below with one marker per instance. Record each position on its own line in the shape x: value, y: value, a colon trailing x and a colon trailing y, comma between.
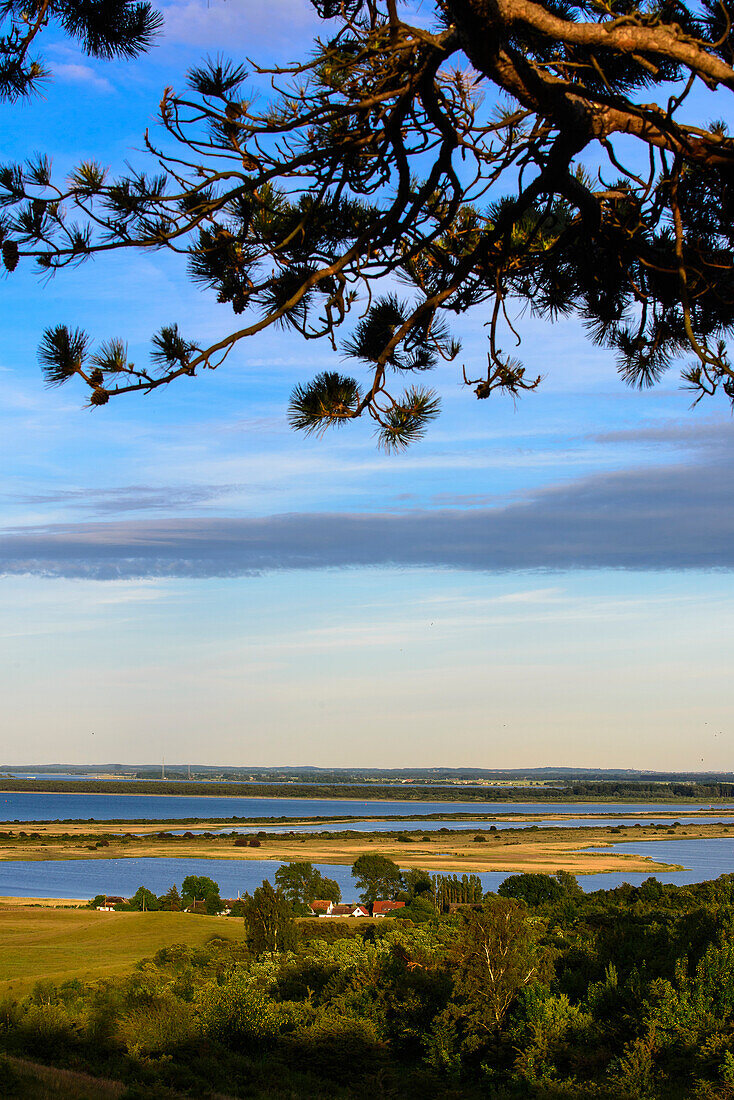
x: 533, y: 889
x: 451, y: 890
x: 170, y: 901
x: 516, y: 155
x: 302, y: 883
x: 199, y: 888
x: 417, y: 883
x: 144, y: 900
x: 268, y: 920
x: 377, y: 877
x: 103, y: 28
x: 496, y: 958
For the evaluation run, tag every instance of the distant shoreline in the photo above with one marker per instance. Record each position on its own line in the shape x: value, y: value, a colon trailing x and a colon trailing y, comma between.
x: 383, y: 794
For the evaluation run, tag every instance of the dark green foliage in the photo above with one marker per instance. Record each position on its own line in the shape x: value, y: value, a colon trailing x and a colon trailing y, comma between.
x: 377, y: 877
x: 628, y: 995
x: 419, y: 909
x: 609, y: 791
x: 302, y: 883
x: 201, y: 890
x: 268, y: 920
x: 417, y: 882
x: 329, y: 399
x: 535, y: 889
x: 171, y: 901
x: 144, y: 900
x: 451, y: 890
x: 62, y: 353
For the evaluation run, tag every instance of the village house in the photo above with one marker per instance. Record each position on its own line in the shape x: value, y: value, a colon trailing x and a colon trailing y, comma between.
x: 322, y: 908
x: 331, y: 909
x: 385, y: 908
x: 109, y: 904
x: 353, y: 909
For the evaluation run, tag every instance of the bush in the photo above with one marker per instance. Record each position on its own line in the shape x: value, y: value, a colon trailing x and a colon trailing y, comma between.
x: 255, y: 843
x: 158, y: 1027
x: 241, y: 842
x: 336, y: 1044
x: 45, y: 1030
x: 240, y: 1015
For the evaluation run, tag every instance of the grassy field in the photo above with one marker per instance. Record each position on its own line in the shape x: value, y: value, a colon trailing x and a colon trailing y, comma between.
x: 80, y: 943
x: 25, y: 1080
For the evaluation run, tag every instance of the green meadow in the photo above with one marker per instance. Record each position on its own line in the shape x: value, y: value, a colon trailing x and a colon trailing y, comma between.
x: 61, y: 944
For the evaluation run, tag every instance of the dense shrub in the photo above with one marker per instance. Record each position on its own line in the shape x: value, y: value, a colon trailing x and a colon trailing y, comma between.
x: 239, y: 1014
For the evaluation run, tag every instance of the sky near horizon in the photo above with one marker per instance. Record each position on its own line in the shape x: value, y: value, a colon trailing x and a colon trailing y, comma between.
x: 183, y: 576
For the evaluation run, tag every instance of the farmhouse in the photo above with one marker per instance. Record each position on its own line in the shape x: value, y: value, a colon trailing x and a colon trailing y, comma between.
x: 110, y: 902
x: 322, y: 908
x: 385, y: 908
x: 330, y: 909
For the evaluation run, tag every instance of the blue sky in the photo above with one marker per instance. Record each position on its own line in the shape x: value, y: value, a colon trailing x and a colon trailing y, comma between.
x: 182, y: 575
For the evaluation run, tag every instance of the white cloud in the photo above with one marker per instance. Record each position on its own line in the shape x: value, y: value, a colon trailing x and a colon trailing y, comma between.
x: 71, y: 73
x: 239, y: 26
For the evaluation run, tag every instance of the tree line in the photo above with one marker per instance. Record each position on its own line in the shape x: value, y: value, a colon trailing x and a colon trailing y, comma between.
x: 537, y: 991
x: 574, y: 792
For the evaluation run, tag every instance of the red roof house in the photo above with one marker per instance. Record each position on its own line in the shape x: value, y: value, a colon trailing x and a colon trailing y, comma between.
x: 384, y: 908
x: 322, y: 908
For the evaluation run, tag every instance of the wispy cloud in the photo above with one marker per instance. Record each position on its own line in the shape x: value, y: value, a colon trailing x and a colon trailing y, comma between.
x: 241, y: 26
x: 73, y: 73
x: 130, y: 498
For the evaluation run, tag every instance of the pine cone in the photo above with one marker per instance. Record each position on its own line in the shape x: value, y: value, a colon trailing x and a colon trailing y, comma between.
x: 10, y: 255
x: 99, y: 397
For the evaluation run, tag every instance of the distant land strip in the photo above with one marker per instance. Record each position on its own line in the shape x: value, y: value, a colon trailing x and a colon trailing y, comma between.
x: 575, y: 792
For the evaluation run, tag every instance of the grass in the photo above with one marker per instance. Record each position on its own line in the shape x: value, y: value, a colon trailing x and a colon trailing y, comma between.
x: 60, y: 944
x: 544, y: 850
x: 22, y: 1079
x: 26, y: 1080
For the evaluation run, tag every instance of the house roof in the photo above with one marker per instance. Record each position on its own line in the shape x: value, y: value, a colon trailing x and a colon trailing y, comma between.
x: 386, y: 906
x: 320, y: 906
x: 342, y: 910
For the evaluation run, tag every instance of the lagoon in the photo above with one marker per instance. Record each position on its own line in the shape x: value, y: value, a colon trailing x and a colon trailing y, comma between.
x: 369, y: 825
x: 27, y: 806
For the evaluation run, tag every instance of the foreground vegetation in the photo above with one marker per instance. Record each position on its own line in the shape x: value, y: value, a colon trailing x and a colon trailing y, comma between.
x: 540, y: 991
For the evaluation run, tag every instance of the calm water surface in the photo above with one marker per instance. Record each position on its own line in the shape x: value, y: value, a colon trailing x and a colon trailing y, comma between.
x: 18, y: 806
x: 411, y: 825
